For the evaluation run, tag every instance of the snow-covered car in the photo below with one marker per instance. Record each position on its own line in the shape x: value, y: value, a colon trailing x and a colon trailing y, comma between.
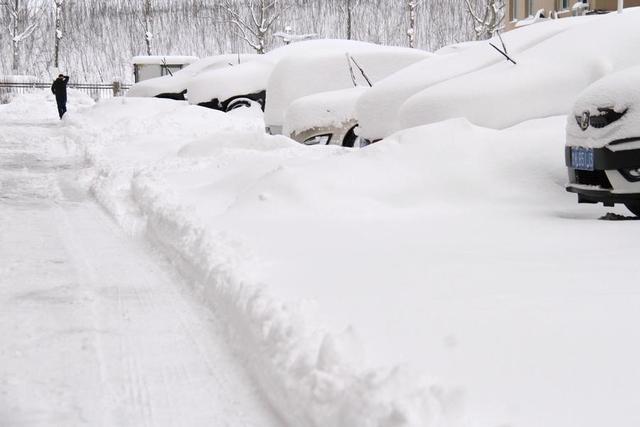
x: 312, y: 72
x: 545, y: 81
x: 603, y: 142
x: 246, y: 84
x: 378, y: 110
x: 326, y: 118
x: 175, y: 86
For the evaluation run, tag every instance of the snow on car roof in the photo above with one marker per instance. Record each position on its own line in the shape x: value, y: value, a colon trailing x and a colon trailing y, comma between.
x: 377, y: 110
x: 328, y: 69
x: 250, y: 78
x: 224, y: 83
x: 162, y: 59
x: 178, y: 82
x: 545, y: 81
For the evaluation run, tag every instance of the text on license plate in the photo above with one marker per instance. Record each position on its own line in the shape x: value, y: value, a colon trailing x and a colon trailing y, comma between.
x: 582, y: 158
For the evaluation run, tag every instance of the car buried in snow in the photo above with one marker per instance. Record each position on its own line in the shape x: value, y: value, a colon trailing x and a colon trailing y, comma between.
x: 326, y: 118
x: 246, y: 84
x: 602, y: 153
x: 378, y: 110
x: 297, y: 85
x: 173, y: 85
x: 544, y: 81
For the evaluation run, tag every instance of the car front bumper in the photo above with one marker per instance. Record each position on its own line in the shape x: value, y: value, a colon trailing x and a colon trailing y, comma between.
x: 609, y: 182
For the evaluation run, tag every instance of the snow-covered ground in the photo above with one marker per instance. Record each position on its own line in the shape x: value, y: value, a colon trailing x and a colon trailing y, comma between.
x: 442, y: 277
x: 97, y: 329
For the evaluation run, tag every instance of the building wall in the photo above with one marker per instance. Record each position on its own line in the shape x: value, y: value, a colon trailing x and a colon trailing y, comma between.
x: 521, y: 9
x: 612, y: 4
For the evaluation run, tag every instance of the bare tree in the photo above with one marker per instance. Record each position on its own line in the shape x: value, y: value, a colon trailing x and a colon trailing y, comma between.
x: 23, y: 21
x: 492, y: 18
x: 59, y: 4
x: 412, y: 6
x: 148, y: 25
x: 289, y: 37
x: 100, y: 37
x: 256, y: 22
x: 347, y: 10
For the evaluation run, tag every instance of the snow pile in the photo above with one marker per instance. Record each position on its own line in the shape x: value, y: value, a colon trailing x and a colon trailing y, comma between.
x: 378, y: 110
x: 326, y: 109
x: 229, y: 203
x: 42, y: 104
x: 328, y: 70
x: 619, y: 91
x: 177, y: 83
x: 313, y: 376
x: 346, y: 275
x: 7, y: 94
x: 554, y: 72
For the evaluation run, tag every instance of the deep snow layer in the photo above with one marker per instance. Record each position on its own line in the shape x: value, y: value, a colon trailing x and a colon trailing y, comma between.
x: 478, y: 293
x: 95, y: 330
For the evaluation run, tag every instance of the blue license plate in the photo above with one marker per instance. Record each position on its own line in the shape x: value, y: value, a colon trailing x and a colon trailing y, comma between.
x: 582, y: 158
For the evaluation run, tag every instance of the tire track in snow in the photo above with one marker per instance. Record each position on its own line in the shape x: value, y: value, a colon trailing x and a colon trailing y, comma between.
x: 147, y: 352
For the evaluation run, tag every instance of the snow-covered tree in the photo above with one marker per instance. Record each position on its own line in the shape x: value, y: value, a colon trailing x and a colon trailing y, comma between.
x: 412, y: 7
x: 347, y: 11
x: 148, y: 25
x: 22, y: 21
x: 289, y: 37
x: 490, y: 20
x: 100, y: 37
x: 58, y: 4
x: 253, y: 19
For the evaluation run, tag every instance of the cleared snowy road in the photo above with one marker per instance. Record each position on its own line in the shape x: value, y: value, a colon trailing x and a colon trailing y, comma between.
x: 96, y: 330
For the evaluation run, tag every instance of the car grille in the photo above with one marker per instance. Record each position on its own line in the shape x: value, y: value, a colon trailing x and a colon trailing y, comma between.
x: 597, y: 177
x: 599, y: 121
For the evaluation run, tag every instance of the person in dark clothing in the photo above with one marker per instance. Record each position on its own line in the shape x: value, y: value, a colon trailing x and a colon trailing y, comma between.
x: 59, y: 89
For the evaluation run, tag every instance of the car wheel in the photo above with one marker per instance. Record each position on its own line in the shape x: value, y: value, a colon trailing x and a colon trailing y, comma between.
x: 238, y: 103
x: 634, y: 207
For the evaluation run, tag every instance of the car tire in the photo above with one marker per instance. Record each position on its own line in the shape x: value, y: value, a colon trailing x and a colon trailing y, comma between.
x: 238, y: 103
x: 634, y: 207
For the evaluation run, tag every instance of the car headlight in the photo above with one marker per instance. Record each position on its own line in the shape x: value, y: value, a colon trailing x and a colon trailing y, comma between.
x: 318, y: 140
